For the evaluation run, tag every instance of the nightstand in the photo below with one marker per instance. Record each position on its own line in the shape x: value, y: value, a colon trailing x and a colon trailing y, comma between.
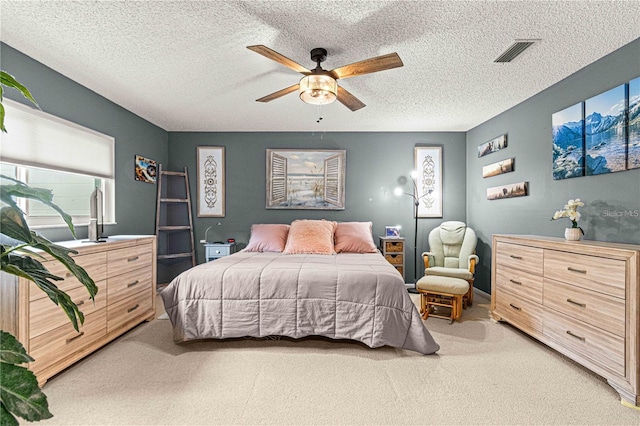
x: 392, y: 249
x: 215, y: 251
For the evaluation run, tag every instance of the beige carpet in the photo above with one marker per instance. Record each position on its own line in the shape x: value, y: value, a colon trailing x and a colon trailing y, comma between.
x: 485, y: 373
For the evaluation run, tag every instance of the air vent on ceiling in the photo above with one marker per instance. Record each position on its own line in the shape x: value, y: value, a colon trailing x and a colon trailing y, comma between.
x: 515, y: 50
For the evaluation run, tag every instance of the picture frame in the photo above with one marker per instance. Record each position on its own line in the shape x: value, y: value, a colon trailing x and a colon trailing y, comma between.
x: 567, y: 128
x: 211, y: 181
x: 605, y: 132
x: 428, y: 180
x: 633, y: 138
x: 145, y: 169
x: 392, y: 231
x: 306, y: 179
x: 494, y: 145
x: 519, y: 189
x: 498, y: 168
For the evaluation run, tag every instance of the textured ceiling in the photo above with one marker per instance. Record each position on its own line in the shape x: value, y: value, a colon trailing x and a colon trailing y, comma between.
x: 184, y: 66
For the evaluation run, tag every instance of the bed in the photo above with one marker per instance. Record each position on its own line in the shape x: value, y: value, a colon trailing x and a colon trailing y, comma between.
x: 339, y: 294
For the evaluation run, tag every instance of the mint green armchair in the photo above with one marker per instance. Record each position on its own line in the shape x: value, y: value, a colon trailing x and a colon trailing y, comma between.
x: 452, y: 248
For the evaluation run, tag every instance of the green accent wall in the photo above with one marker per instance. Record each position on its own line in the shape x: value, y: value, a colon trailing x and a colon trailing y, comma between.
x: 62, y: 97
x: 612, y: 210
x: 376, y: 162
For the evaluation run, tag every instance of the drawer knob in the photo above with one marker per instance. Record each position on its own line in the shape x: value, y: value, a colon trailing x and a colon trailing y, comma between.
x: 582, y: 305
x: 80, y: 303
x: 516, y: 282
x: 133, y: 283
x: 132, y: 309
x: 68, y: 274
x: 133, y: 259
x: 515, y: 257
x: 576, y: 336
x: 71, y: 339
x: 580, y: 271
x: 517, y: 308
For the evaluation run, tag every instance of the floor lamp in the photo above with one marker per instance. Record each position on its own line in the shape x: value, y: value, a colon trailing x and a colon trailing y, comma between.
x: 416, y: 203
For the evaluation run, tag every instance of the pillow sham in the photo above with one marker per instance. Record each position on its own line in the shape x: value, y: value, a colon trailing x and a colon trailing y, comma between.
x: 354, y: 237
x: 310, y: 237
x: 267, y: 237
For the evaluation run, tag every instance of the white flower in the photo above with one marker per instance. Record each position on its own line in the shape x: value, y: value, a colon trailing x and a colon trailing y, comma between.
x: 570, y: 211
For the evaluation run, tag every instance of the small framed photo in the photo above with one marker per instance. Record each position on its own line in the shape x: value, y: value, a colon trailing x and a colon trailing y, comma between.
x: 392, y: 231
x: 145, y: 169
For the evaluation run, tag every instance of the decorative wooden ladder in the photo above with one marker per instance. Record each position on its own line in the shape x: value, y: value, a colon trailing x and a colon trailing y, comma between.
x: 174, y: 226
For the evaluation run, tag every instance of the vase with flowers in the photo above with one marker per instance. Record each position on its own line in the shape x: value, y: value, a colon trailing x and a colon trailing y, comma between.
x: 571, y: 212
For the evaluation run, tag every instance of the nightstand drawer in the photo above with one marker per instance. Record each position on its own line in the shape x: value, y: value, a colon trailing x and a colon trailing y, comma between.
x: 218, y: 251
x: 394, y: 246
x: 394, y: 259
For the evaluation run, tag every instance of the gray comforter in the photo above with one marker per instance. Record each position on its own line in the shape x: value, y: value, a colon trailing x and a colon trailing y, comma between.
x: 345, y: 296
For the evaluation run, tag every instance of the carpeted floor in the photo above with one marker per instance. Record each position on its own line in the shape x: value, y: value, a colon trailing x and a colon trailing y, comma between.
x: 485, y: 373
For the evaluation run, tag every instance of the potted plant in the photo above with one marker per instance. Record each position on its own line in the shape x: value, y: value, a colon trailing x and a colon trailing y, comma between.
x: 20, y: 249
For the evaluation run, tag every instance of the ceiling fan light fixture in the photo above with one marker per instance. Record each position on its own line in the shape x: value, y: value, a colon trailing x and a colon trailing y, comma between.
x: 318, y: 89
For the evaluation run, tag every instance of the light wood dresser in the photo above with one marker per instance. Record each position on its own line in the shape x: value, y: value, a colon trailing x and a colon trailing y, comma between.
x: 124, y: 270
x: 579, y: 297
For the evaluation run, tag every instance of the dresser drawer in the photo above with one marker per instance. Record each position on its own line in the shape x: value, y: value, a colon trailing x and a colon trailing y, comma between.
x: 590, y: 272
x: 599, y: 346
x: 44, y: 315
x: 520, y: 283
x: 128, y: 259
x: 524, y: 258
x: 393, y: 246
x: 95, y: 265
x: 50, y: 347
x: 525, y: 314
x: 597, y: 309
x: 121, y: 312
x: 394, y: 259
x: 126, y: 285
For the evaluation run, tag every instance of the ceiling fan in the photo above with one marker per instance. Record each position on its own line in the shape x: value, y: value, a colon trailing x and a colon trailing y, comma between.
x: 319, y: 86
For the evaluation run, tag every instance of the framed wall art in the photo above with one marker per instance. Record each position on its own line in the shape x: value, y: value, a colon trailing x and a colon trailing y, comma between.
x: 633, y: 159
x: 211, y: 181
x: 605, y: 132
x: 511, y: 190
x: 145, y: 169
x: 428, y: 180
x: 495, y: 144
x: 498, y: 168
x: 567, y: 127
x: 306, y: 179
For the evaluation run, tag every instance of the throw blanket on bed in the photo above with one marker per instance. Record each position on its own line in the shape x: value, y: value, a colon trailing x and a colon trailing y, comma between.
x: 345, y: 296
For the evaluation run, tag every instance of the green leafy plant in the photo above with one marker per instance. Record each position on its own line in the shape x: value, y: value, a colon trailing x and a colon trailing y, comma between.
x: 20, y: 250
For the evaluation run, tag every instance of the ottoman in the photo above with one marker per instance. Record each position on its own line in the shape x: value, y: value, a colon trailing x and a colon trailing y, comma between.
x: 441, y: 291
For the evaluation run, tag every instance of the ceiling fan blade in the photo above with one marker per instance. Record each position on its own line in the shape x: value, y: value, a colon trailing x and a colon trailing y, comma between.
x: 379, y: 63
x: 275, y: 56
x: 279, y: 93
x: 348, y: 100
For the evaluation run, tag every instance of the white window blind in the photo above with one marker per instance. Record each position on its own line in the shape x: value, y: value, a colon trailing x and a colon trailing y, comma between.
x: 38, y: 139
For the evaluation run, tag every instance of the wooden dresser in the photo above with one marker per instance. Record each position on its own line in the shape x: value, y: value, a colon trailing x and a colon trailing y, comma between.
x: 582, y: 298
x: 124, y: 270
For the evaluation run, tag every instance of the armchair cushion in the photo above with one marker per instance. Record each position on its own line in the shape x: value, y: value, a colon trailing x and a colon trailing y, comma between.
x: 451, y: 244
x: 441, y: 271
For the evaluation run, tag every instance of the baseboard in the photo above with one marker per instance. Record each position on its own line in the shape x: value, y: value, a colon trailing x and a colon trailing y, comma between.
x: 481, y: 293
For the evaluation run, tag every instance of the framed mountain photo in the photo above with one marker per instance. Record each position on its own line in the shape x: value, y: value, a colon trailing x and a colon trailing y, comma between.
x: 567, y: 128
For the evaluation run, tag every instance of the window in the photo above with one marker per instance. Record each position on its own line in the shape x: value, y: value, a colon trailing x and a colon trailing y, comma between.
x: 47, y: 152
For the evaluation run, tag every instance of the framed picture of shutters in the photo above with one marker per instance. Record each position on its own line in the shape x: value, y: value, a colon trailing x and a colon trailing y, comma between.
x: 428, y: 180
x: 305, y: 179
x: 211, y: 183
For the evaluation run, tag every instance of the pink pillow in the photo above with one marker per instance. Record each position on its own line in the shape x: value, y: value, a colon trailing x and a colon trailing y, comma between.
x: 310, y: 237
x: 354, y: 237
x: 267, y: 237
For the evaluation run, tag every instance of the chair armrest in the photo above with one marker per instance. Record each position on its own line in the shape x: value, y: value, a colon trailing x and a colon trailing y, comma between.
x: 473, y: 261
x: 426, y: 257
